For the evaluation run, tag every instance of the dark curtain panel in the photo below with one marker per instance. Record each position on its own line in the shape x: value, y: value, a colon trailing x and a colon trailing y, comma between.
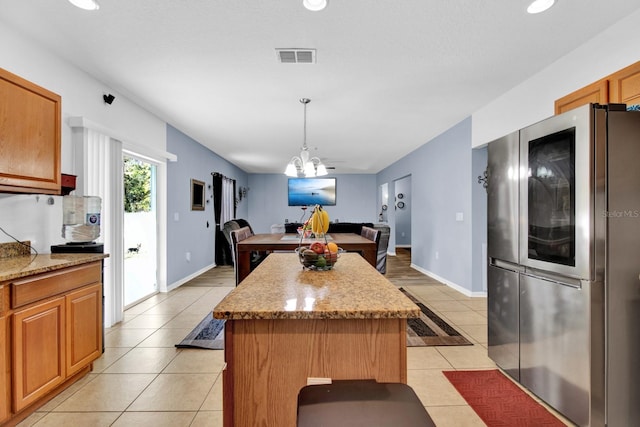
x: 223, y: 251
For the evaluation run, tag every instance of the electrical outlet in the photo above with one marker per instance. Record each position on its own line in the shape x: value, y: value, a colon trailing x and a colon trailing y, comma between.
x: 187, y: 255
x: 437, y: 255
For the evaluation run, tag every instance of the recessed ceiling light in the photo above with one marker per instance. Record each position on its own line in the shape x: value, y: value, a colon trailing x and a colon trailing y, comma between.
x: 540, y: 6
x: 315, y: 5
x: 85, y: 4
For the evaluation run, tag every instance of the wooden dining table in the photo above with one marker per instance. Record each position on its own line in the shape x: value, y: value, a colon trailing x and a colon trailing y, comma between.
x: 350, y: 242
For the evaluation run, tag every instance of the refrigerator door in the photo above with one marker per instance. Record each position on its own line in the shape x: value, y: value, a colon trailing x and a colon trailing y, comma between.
x: 502, y: 198
x: 623, y: 270
x: 504, y: 341
x: 555, y: 344
x: 556, y: 156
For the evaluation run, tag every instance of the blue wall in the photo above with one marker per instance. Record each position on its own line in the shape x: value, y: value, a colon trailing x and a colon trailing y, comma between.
x: 479, y: 220
x: 441, y: 178
x: 267, y: 199
x: 190, y: 232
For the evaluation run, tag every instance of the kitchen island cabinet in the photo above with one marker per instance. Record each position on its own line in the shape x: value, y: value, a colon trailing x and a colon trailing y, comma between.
x: 285, y: 325
x: 51, y: 326
x: 30, y: 137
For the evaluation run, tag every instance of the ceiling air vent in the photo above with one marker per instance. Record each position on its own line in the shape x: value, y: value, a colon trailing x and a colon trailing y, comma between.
x: 296, y: 56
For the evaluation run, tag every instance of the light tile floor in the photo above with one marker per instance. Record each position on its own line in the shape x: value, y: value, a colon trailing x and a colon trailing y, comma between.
x: 143, y: 380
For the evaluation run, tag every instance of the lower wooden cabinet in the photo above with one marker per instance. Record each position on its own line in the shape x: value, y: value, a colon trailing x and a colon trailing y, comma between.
x: 4, y: 370
x: 84, y: 327
x: 50, y: 334
x: 38, y: 351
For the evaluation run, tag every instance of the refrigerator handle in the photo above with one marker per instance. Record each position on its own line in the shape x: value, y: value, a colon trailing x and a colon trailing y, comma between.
x: 506, y: 265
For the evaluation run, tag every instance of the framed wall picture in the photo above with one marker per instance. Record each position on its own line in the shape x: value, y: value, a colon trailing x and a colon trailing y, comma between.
x: 197, y: 195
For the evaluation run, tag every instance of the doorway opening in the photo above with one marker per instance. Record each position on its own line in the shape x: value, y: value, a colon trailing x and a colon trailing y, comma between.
x: 402, y: 210
x: 140, y: 230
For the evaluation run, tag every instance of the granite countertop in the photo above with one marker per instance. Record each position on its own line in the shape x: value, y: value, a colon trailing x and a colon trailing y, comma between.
x: 15, y: 261
x: 280, y: 289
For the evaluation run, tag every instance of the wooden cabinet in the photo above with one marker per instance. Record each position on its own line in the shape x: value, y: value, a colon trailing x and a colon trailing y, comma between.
x: 4, y: 368
x: 51, y: 332
x: 29, y: 137
x: 621, y: 87
x: 84, y: 327
x: 625, y: 85
x: 597, y: 92
x: 38, y: 351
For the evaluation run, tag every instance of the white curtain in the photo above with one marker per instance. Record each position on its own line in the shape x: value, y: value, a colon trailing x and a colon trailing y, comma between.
x: 228, y: 201
x: 100, y: 159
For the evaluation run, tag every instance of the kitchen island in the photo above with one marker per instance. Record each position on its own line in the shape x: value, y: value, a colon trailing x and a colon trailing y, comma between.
x: 286, y: 327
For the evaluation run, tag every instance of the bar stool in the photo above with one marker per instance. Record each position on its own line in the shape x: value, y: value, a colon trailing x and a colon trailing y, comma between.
x: 361, y: 403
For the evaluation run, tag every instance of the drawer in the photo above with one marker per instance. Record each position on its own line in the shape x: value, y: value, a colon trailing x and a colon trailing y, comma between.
x: 36, y: 288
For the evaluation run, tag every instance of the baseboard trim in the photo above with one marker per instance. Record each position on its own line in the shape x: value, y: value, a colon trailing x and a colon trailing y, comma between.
x: 449, y: 283
x: 184, y: 280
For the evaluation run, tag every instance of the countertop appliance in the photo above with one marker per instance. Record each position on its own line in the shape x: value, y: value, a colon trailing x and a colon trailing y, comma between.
x: 563, y: 275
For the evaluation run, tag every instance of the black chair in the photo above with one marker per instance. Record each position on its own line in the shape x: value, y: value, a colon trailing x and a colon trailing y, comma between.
x: 361, y: 403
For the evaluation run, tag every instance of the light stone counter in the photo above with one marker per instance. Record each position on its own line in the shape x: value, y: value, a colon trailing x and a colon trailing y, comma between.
x: 279, y: 288
x: 16, y: 267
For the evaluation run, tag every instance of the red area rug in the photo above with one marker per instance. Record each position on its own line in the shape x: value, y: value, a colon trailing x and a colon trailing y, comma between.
x: 498, y: 401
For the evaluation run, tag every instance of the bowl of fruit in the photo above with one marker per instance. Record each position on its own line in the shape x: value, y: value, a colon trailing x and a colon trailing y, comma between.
x: 319, y: 256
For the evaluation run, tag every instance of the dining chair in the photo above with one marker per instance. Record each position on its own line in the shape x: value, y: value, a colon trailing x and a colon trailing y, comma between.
x: 371, y: 234
x: 239, y: 235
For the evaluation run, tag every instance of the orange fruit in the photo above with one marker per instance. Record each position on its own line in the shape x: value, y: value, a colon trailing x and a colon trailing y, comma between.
x: 332, y: 247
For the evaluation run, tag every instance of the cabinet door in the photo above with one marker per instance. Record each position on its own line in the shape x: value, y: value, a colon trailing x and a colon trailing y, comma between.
x: 38, y: 351
x: 4, y: 368
x: 84, y: 327
x: 625, y: 85
x: 29, y: 137
x: 597, y: 92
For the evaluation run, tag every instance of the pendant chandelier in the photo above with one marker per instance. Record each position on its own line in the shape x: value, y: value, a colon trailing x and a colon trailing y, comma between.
x: 309, y: 167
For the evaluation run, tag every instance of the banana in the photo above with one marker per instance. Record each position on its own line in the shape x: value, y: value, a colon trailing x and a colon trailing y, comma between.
x: 319, y: 220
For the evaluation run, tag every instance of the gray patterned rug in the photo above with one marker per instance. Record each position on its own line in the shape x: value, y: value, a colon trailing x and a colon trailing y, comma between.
x: 209, y: 334
x: 427, y: 330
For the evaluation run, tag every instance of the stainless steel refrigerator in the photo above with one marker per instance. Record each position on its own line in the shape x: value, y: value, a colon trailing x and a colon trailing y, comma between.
x: 564, y: 262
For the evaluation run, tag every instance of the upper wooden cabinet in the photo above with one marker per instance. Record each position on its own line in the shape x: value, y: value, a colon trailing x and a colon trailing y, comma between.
x: 621, y: 87
x: 29, y: 137
x: 597, y: 92
x: 625, y: 85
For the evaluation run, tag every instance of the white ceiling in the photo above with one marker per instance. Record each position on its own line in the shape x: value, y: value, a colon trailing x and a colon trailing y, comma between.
x: 390, y: 74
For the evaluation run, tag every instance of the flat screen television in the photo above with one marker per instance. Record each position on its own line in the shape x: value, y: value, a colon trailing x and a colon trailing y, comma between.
x: 312, y: 191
